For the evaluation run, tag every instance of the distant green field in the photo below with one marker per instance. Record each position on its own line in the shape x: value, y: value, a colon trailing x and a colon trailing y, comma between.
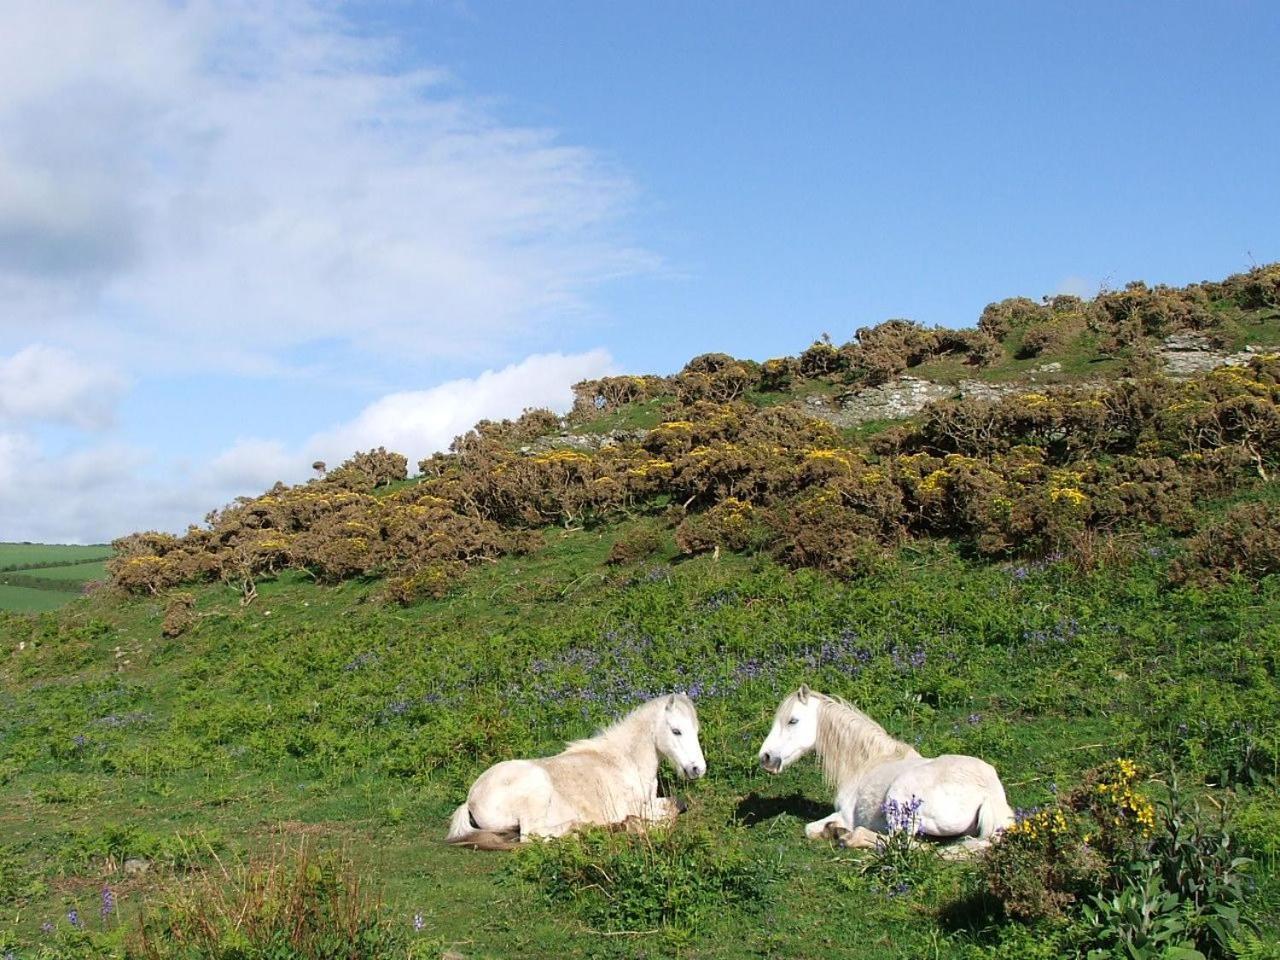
x: 45, y: 576
x: 77, y: 572
x: 26, y: 600
x: 16, y: 556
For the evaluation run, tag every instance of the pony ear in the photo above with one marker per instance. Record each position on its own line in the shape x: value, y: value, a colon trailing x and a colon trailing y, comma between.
x: 803, y: 693
x: 671, y: 702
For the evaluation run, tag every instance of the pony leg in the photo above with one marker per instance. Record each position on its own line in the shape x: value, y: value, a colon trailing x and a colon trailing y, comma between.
x: 661, y: 810
x: 859, y: 838
x: 818, y: 829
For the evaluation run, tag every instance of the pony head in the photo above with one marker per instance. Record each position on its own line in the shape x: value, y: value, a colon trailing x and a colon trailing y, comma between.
x: 794, y: 732
x: 676, y: 736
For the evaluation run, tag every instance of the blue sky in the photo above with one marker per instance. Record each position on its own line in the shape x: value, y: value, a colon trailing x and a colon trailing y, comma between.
x: 237, y: 237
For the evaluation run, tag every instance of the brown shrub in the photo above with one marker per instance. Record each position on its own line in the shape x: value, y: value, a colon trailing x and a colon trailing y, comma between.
x: 818, y: 530
x: 595, y: 397
x: 179, y: 615
x: 373, y: 468
x: 1245, y: 543
x: 822, y: 359
x: 1003, y: 317
x: 635, y: 545
x: 434, y: 580
x: 731, y: 524
x: 776, y: 374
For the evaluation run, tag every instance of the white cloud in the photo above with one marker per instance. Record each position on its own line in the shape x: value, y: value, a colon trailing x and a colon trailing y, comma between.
x: 45, y: 384
x: 420, y: 422
x: 104, y: 491
x: 262, y: 179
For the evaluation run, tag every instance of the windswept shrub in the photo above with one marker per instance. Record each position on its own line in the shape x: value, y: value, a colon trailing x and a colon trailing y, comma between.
x: 1244, y: 543
x: 1125, y: 317
x: 529, y: 426
x: 819, y: 530
x: 717, y: 377
x: 731, y: 524
x: 634, y: 545
x: 147, y: 563
x: 1259, y: 289
x: 595, y: 397
x: 822, y: 359
x: 880, y: 353
x: 1004, y: 317
x: 179, y: 615
x: 776, y: 374
x: 370, y: 469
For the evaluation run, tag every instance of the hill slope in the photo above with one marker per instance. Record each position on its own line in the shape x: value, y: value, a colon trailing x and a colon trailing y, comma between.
x: 1052, y: 578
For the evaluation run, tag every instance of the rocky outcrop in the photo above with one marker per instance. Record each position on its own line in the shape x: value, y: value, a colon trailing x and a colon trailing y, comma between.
x: 900, y: 398
x: 1186, y: 354
x: 586, y: 442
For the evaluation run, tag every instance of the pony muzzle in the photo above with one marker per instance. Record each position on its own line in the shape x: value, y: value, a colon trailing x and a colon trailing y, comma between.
x: 771, y: 763
x: 692, y: 771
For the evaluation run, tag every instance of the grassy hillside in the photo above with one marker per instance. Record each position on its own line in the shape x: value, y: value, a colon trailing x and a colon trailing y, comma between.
x: 1056, y: 581
x: 42, y: 576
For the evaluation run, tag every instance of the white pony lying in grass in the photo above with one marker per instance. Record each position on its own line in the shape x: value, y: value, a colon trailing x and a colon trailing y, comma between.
x: 881, y: 783
x: 611, y: 778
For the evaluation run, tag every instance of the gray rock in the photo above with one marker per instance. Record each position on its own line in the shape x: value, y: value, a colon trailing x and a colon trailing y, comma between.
x: 1186, y: 354
x: 585, y: 442
x: 136, y: 867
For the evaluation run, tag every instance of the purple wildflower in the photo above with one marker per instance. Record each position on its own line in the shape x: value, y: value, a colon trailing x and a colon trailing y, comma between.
x: 418, y: 923
x: 902, y: 816
x: 73, y: 917
x: 108, y: 902
x: 975, y: 719
x: 47, y: 927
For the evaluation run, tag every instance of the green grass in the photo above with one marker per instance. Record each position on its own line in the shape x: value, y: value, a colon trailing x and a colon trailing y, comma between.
x: 17, y: 556
x: 644, y: 415
x: 321, y: 712
x: 28, y: 600
x: 79, y: 572
x: 38, y: 588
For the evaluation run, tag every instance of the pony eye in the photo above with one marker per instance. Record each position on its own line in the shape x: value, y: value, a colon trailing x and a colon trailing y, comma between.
x: 793, y: 721
x: 678, y: 733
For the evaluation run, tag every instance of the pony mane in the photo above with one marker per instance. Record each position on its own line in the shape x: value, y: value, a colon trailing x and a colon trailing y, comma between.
x: 625, y: 725
x: 849, y: 741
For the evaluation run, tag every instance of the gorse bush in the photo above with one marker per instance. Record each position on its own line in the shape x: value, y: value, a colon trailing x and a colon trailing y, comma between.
x: 666, y: 877
x: 1029, y: 473
x: 1244, y: 543
x: 1148, y: 878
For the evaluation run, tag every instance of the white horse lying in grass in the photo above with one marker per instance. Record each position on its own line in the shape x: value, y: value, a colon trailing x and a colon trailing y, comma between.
x: 881, y: 783
x: 611, y: 778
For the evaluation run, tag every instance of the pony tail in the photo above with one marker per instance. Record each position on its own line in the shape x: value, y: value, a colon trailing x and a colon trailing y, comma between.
x: 464, y: 833
x: 994, y: 815
x: 459, y: 825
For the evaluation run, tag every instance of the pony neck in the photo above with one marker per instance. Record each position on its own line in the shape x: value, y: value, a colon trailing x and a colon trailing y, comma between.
x: 849, y: 742
x: 632, y: 738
